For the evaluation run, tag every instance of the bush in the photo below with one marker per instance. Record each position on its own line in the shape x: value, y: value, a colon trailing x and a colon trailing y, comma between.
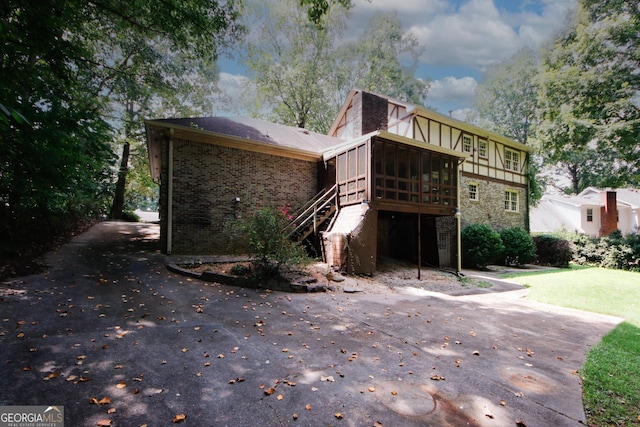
x: 519, y: 248
x: 553, y: 251
x: 587, y: 250
x: 614, y: 251
x: 270, y: 248
x: 481, y: 245
x: 130, y: 216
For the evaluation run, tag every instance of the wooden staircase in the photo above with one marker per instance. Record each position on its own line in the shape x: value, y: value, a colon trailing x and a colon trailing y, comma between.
x: 308, y: 220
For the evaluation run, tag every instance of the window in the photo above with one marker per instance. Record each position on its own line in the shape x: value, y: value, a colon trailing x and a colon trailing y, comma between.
x: 473, y: 191
x: 408, y: 175
x: 511, y: 201
x: 511, y: 160
x: 482, y: 148
x: 466, y: 143
x: 589, y: 215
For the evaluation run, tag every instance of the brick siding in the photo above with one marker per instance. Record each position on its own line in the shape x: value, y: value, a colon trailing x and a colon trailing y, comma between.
x: 208, y: 178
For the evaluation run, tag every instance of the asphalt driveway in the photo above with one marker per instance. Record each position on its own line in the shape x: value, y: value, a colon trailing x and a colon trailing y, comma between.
x: 114, y: 337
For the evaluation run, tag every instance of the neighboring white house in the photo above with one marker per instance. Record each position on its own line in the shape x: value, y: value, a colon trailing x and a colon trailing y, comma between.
x: 593, y: 212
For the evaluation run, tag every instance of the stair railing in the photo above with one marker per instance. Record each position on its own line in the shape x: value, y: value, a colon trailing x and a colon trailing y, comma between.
x: 309, y: 212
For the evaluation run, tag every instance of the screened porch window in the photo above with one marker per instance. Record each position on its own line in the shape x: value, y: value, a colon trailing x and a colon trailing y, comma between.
x: 410, y: 175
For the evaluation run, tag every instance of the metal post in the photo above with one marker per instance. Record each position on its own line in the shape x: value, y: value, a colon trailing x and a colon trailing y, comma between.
x: 419, y: 243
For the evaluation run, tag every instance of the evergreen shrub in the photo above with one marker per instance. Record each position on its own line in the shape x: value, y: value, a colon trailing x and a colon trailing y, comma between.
x: 481, y: 246
x: 553, y: 251
x: 519, y: 247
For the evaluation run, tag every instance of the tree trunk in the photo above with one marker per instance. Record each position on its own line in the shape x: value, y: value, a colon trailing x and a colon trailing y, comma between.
x: 118, y: 197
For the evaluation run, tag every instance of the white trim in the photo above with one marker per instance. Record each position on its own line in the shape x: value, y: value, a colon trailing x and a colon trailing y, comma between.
x: 517, y: 194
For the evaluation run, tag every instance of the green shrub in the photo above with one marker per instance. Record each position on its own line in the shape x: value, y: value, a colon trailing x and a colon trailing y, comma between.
x: 614, y: 251
x: 519, y: 247
x: 587, y: 250
x: 481, y: 245
x: 130, y: 216
x: 553, y: 251
x: 271, y: 249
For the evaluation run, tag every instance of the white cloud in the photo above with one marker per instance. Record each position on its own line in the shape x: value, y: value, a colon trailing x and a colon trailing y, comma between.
x: 463, y: 114
x: 234, y: 88
x: 475, y: 34
x: 453, y: 90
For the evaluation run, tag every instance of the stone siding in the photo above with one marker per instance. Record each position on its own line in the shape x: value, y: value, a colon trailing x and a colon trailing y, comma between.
x: 215, y: 186
x: 489, y: 208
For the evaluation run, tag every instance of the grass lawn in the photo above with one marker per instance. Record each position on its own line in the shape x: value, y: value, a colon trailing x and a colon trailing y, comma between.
x: 611, y: 375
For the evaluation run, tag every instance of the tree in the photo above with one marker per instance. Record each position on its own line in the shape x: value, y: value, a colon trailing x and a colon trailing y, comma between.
x: 589, y: 90
x: 507, y: 98
x: 318, y: 9
x: 303, y: 75
x: 292, y: 64
x: 66, y: 67
x: 374, y: 61
x: 507, y: 103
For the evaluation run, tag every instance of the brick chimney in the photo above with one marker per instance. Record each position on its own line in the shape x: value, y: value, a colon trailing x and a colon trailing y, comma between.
x: 373, y: 113
x: 608, y: 213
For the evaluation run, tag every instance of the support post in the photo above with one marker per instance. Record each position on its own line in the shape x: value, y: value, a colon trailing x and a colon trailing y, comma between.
x: 419, y: 243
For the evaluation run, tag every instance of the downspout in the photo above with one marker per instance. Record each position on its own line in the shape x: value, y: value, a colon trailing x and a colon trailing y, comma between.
x: 170, y: 194
x: 458, y: 215
x: 527, y: 212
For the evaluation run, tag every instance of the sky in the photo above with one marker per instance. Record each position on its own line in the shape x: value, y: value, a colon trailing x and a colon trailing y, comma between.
x: 461, y: 38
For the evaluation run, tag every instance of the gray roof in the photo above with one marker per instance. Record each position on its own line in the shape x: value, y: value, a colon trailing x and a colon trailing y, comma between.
x: 259, y: 131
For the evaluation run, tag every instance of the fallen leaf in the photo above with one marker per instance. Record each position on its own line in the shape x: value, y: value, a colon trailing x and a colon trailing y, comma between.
x: 270, y: 391
x: 520, y: 423
x: 111, y: 410
x: 476, y: 353
x: 327, y: 378
x: 307, y: 407
x: 280, y: 397
x: 437, y: 378
x: 503, y: 403
x: 394, y: 393
x: 93, y: 401
x: 338, y: 415
x: 52, y: 375
x: 295, y: 416
x: 104, y: 423
x: 121, y: 384
x: 372, y: 389
x: 104, y: 401
x: 179, y: 418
